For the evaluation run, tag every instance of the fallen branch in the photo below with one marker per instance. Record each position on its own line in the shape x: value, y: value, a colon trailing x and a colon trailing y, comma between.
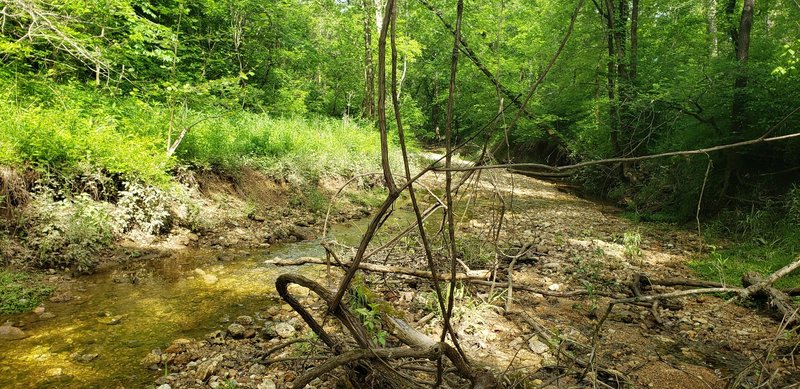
x: 472, y: 275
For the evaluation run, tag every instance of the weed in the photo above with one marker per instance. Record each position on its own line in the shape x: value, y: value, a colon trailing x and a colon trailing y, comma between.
x: 365, y: 304
x: 632, y: 241
x: 19, y: 292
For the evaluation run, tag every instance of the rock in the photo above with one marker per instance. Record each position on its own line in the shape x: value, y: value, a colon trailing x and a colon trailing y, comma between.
x: 236, y: 331
x: 289, y: 376
x: 284, y: 330
x: 245, y: 320
x: 249, y: 333
x: 216, y: 337
x: 208, y: 368
x: 537, y: 346
x: 542, y: 249
x: 266, y: 384
x: 47, y: 315
x: 164, y: 386
x: 38, y: 310
x: 178, y: 346
x: 554, y: 287
x: 54, y: 372
x: 210, y: 279
x: 84, y: 358
x: 7, y: 332
x: 151, y: 359
x: 111, y: 320
x: 257, y: 368
x: 61, y: 297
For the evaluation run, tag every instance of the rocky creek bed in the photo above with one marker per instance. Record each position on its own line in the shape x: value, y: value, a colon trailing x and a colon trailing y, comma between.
x: 213, y: 318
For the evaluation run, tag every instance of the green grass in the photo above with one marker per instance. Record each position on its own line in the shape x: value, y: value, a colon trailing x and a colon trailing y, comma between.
x: 75, y: 131
x: 765, y: 254
x: 19, y: 292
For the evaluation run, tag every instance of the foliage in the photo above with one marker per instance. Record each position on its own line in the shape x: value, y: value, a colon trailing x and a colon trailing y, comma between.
x: 68, y: 232
x: 145, y: 208
x: 20, y: 292
x: 367, y: 307
x: 632, y: 242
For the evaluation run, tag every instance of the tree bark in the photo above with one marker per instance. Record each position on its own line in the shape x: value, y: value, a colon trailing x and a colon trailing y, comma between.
x: 742, y: 46
x: 368, y: 104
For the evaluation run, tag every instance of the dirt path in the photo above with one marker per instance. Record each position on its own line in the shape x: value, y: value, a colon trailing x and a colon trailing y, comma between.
x: 563, y: 243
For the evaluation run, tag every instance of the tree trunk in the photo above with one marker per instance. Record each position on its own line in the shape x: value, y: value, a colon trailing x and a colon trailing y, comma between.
x: 742, y: 46
x: 711, y: 28
x: 634, y: 56
x: 368, y: 104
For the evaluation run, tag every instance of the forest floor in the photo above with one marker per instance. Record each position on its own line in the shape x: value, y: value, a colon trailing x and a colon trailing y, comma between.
x: 564, y: 243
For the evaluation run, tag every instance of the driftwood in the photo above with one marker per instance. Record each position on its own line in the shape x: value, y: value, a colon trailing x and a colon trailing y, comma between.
x: 420, y: 345
x: 778, y: 299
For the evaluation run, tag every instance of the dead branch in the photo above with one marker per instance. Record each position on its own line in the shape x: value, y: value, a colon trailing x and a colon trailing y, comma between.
x: 368, y: 350
x: 778, y: 299
x: 472, y: 275
x: 569, y: 168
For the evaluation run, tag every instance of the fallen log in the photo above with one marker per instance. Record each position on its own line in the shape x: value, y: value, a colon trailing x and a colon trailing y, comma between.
x: 778, y: 299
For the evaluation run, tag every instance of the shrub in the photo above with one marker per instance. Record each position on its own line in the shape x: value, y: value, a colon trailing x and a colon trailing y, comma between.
x: 69, y: 232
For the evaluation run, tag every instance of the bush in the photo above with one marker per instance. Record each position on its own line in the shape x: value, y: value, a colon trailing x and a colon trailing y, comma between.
x: 69, y: 232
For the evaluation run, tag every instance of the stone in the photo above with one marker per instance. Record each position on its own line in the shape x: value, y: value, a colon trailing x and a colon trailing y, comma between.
x: 207, y: 368
x: 245, y: 320
x: 267, y: 384
x: 86, y: 358
x: 54, y: 372
x: 257, y: 368
x: 164, y: 386
x: 284, y: 330
x: 7, y: 332
x: 236, y: 331
x: 210, y: 279
x: 537, y: 346
x: 554, y: 287
x: 178, y: 346
x: 151, y: 359
x: 47, y: 315
x: 216, y: 337
x: 38, y: 310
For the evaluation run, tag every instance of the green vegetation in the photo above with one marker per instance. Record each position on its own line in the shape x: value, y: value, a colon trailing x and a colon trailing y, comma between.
x: 763, y: 241
x: 19, y: 292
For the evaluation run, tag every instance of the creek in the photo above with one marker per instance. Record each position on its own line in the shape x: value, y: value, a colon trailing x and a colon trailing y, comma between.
x: 98, y: 338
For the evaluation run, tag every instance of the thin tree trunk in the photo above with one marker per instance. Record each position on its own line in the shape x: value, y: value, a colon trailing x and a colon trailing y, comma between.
x: 711, y: 28
x: 739, y: 114
x: 634, y: 56
x: 368, y: 105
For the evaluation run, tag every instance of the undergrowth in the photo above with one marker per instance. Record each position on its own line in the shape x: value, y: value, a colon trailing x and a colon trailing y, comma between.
x: 759, y: 239
x: 19, y: 293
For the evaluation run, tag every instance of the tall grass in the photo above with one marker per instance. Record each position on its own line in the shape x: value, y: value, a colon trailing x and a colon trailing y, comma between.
x: 72, y: 130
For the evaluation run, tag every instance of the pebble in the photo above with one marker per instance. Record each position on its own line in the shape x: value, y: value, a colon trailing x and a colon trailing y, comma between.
x: 266, y: 384
x: 284, y: 330
x: 236, y: 331
x: 164, y: 386
x: 537, y: 346
x: 47, y: 315
x: 244, y: 320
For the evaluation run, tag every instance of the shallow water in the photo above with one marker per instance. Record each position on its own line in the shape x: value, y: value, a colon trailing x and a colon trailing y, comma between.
x: 122, y: 322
